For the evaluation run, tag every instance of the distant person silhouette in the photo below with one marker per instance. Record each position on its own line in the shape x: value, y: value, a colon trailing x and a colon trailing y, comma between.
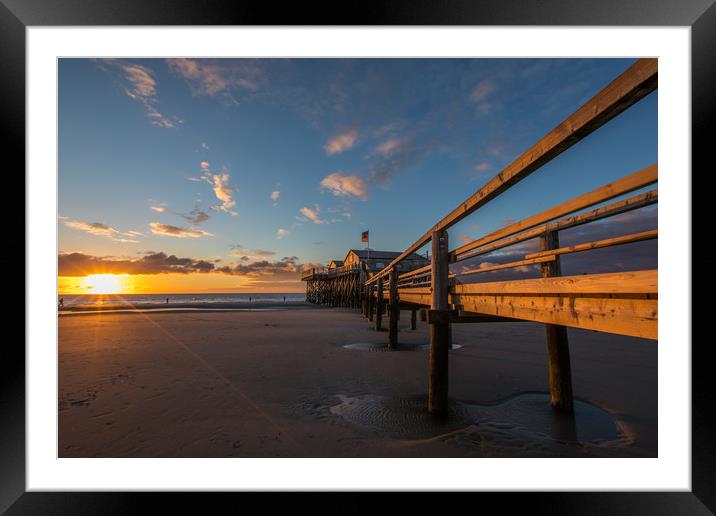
x: 284, y: 299
x: 167, y: 300
x: 249, y: 300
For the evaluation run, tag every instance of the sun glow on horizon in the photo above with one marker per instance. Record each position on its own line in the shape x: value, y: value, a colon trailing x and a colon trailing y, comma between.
x: 103, y: 284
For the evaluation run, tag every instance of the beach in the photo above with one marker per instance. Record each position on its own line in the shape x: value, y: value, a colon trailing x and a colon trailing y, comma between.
x: 280, y: 382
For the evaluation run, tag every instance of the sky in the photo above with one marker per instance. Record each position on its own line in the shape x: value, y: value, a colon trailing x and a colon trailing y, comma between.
x: 233, y: 175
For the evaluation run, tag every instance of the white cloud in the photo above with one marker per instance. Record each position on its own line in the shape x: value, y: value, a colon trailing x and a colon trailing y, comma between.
x: 312, y: 214
x: 204, y: 145
x: 280, y: 233
x: 224, y: 193
x: 174, y: 231
x: 342, y: 185
x: 100, y: 229
x: 341, y: 142
x: 275, y: 195
x: 140, y: 85
x: 222, y: 190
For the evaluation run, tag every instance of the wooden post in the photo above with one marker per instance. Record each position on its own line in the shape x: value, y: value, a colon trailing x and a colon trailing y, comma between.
x: 379, y: 306
x: 560, y: 373
x: 371, y: 301
x: 439, y: 343
x: 413, y: 318
x: 393, y: 310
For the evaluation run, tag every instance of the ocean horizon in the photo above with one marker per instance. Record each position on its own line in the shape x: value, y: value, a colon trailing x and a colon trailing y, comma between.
x: 78, y: 300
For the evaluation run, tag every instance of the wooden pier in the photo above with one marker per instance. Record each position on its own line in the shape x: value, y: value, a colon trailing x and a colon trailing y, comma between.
x: 623, y: 303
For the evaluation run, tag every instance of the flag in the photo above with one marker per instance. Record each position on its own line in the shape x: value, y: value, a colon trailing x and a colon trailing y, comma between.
x: 364, y: 236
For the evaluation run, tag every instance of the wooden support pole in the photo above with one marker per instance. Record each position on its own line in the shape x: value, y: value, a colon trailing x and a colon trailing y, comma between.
x: 371, y: 301
x: 439, y: 330
x: 560, y: 373
x: 393, y: 310
x: 379, y: 306
x: 413, y: 318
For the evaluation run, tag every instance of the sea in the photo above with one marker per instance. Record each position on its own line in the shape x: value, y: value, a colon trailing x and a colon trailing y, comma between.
x: 198, y: 300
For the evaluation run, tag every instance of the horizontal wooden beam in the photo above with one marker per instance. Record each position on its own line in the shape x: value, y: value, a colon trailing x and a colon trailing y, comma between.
x: 608, y: 242
x: 632, y: 203
x: 633, y: 317
x: 510, y: 265
x: 636, y: 82
x: 416, y: 272
x: 624, y: 303
x: 613, y: 283
x: 619, y: 187
x: 460, y: 317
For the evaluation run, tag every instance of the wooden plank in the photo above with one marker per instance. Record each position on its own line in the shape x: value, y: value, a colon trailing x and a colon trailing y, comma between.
x: 622, y: 186
x: 632, y: 283
x: 633, y: 317
x: 416, y: 272
x: 509, y: 265
x: 632, y: 85
x: 632, y: 203
x: 608, y: 242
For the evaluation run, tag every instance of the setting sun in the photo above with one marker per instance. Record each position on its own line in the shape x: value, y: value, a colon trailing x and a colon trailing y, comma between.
x: 103, y: 283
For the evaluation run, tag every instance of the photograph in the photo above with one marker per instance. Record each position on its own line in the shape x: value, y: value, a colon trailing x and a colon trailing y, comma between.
x: 357, y: 257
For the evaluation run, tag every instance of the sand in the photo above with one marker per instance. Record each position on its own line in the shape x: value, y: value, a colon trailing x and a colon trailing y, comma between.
x: 282, y: 384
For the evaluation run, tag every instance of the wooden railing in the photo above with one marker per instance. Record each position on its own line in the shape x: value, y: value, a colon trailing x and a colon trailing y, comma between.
x: 624, y: 303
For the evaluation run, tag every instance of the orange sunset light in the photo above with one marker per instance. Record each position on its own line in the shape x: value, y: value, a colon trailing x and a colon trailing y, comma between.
x: 103, y: 283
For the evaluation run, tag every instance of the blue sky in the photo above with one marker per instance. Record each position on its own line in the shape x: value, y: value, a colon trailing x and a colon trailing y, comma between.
x: 181, y: 157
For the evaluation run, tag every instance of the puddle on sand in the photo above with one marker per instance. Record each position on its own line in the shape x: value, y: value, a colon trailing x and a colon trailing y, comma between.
x: 405, y: 418
x: 426, y: 347
x: 523, y: 420
x: 380, y: 347
x: 532, y: 414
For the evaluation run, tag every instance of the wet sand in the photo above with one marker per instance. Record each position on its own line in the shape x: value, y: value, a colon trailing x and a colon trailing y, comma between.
x: 282, y: 384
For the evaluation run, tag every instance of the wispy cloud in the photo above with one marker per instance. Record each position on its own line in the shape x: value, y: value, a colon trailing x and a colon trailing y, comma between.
x: 481, y: 95
x: 101, y: 229
x: 204, y: 145
x: 174, y: 231
x: 196, y: 216
x: 312, y: 214
x: 221, y: 188
x: 140, y: 85
x: 341, y: 142
x: 280, y: 233
x: 344, y: 185
x: 156, y: 206
x: 251, y: 254
x: 483, y: 167
x: 388, y: 147
x: 275, y: 195
x: 211, y: 77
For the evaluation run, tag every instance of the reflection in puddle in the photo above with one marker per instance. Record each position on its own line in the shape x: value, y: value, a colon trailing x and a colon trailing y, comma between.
x: 525, y: 420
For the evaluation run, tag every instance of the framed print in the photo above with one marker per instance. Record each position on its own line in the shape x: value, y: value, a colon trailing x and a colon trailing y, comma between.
x: 417, y: 250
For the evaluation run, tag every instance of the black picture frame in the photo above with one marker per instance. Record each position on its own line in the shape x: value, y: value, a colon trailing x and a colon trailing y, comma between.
x: 17, y: 15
